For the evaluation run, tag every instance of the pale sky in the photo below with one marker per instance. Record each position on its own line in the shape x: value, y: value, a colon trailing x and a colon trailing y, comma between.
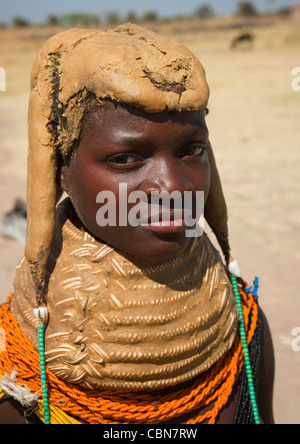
x: 37, y: 11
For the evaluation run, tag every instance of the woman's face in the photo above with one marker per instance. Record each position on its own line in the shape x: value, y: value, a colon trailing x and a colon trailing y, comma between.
x: 152, y: 153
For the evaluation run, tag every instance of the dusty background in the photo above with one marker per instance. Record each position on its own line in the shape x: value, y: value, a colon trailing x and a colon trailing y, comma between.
x: 254, y: 124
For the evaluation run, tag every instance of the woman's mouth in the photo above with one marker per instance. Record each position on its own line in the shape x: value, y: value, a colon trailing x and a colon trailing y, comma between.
x: 167, y: 221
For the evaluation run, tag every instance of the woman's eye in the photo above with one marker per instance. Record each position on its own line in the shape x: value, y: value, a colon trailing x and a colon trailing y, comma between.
x: 195, y: 150
x: 123, y: 159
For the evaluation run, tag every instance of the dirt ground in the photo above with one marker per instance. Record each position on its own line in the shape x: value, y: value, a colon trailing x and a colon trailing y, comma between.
x: 254, y: 126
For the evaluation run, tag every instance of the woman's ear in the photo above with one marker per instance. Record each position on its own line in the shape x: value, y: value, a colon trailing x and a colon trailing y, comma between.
x: 62, y: 178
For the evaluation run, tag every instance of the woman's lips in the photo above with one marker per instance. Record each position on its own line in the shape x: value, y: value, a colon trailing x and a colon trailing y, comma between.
x: 172, y: 221
x: 166, y: 226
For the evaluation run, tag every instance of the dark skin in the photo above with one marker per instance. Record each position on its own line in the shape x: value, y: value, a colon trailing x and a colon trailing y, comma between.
x: 160, y: 152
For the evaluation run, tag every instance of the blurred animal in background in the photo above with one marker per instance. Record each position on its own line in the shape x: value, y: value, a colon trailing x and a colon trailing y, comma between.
x: 15, y: 221
x: 243, y: 41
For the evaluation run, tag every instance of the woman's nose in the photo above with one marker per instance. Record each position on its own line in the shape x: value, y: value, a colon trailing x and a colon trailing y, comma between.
x: 168, y: 176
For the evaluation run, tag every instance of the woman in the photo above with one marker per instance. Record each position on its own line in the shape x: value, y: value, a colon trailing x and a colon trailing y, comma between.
x: 129, y: 323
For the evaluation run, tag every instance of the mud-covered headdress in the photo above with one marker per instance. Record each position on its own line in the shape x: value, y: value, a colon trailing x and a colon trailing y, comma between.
x: 130, y: 65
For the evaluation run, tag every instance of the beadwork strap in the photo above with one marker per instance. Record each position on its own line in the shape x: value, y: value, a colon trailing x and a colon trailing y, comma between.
x: 2, y: 394
x: 57, y: 415
x: 244, y: 413
x: 247, y: 361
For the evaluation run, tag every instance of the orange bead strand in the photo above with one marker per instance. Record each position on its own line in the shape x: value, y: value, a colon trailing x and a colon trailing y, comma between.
x: 211, y: 389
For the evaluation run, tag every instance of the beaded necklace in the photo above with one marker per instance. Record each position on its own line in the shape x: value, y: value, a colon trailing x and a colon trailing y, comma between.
x: 42, y: 315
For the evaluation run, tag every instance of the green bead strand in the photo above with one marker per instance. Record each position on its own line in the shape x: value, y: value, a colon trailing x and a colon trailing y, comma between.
x: 41, y: 336
x: 247, y: 361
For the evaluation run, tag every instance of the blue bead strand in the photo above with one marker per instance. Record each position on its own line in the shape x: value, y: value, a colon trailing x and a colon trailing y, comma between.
x: 247, y: 361
x: 43, y: 374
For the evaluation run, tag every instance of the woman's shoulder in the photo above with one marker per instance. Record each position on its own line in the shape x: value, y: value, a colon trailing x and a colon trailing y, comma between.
x: 11, y: 412
x: 266, y: 374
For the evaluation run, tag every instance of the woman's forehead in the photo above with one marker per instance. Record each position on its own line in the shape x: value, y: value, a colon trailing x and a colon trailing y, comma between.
x: 118, y: 115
